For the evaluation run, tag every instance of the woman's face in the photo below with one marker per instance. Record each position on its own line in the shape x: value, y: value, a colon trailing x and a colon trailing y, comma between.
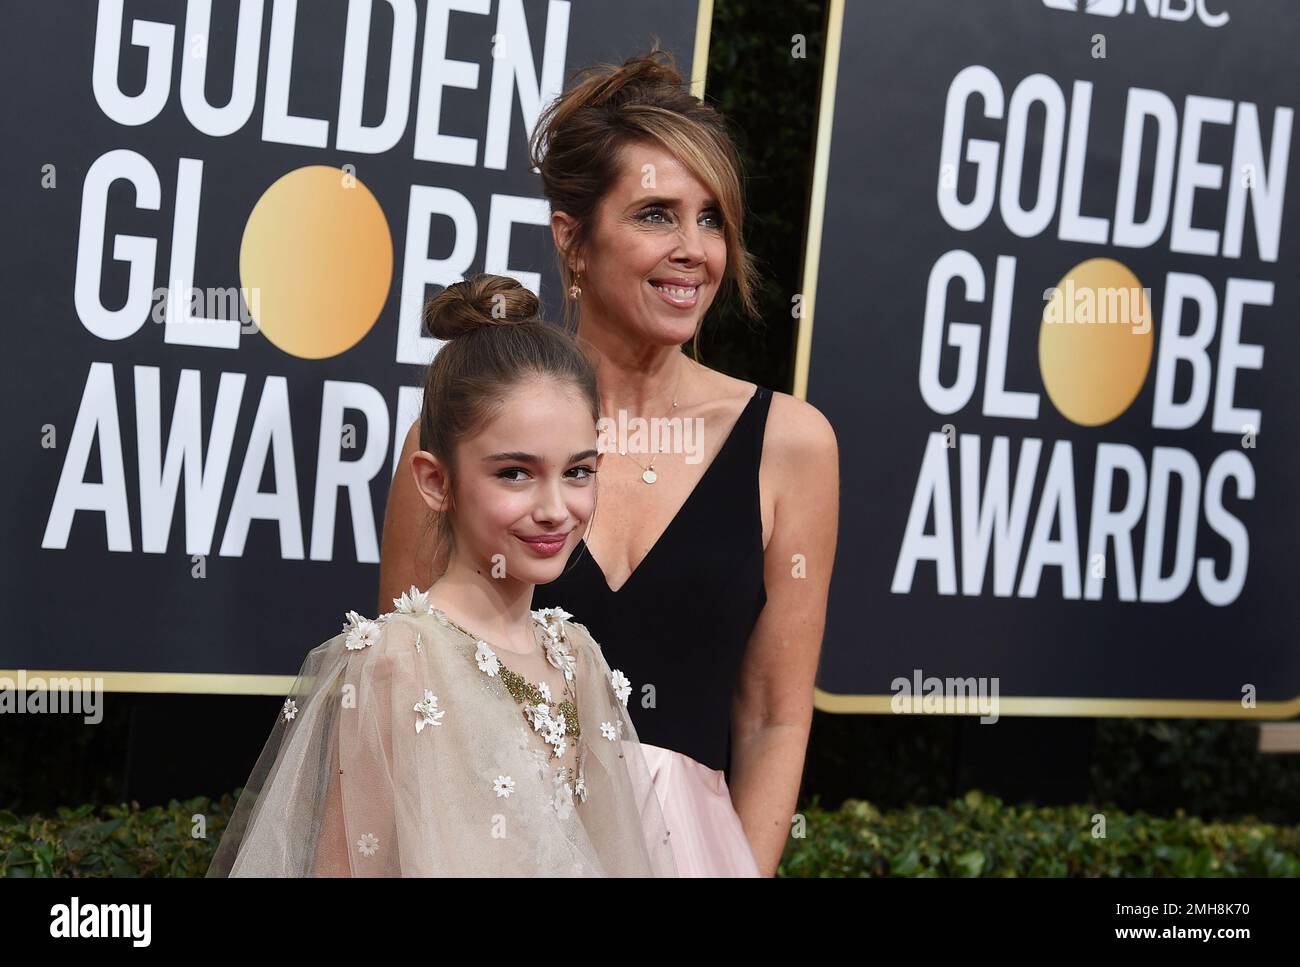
x: 524, y: 486
x: 656, y: 253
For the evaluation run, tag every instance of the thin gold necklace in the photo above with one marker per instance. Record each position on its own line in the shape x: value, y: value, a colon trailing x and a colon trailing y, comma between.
x: 648, y: 473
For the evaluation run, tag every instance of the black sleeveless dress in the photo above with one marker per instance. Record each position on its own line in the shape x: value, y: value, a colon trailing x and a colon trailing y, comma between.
x: 681, y: 621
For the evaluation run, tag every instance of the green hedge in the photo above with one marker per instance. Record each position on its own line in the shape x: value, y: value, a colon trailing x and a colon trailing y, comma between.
x: 982, y: 836
x: 972, y: 836
x: 113, y: 840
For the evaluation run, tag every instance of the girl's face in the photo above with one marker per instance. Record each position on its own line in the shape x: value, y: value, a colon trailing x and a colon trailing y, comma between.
x: 524, y: 487
x: 656, y: 253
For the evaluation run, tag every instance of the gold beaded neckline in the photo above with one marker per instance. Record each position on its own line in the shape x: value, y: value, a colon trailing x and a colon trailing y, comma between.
x: 524, y: 692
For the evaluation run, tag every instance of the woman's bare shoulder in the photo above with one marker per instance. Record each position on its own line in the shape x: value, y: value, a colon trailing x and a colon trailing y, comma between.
x: 795, y: 428
x: 722, y: 390
x: 798, y: 430
x: 789, y: 418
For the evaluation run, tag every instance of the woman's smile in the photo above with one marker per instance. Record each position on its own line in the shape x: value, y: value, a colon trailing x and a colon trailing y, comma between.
x: 677, y: 292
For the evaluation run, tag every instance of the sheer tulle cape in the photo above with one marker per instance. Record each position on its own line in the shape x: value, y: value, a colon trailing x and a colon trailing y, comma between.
x: 347, y: 786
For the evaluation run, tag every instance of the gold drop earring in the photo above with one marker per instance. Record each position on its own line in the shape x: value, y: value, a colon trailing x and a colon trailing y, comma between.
x: 575, y: 293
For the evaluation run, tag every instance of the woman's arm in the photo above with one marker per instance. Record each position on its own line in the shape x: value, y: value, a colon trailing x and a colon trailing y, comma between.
x: 772, y: 710
x: 406, y: 556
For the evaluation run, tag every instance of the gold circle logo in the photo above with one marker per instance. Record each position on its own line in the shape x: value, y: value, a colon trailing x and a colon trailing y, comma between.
x: 317, y: 259
x: 1095, y: 342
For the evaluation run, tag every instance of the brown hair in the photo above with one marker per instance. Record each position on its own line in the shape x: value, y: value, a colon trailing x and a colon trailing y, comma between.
x: 579, y: 137
x: 496, y: 340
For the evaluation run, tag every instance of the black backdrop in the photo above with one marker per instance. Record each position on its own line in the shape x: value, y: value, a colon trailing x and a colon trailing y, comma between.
x: 881, y: 235
x: 91, y: 609
x: 100, y: 605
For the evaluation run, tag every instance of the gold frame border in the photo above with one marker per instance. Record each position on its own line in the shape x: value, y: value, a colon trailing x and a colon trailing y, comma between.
x: 700, y: 55
x: 180, y: 683
x: 817, y: 199
x: 1019, y: 705
x: 1010, y: 705
x: 196, y: 683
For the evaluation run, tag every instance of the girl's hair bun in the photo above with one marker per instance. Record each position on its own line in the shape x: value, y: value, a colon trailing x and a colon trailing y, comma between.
x: 478, y: 302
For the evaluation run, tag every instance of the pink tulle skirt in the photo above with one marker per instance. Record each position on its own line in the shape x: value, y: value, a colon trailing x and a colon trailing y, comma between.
x: 704, y: 830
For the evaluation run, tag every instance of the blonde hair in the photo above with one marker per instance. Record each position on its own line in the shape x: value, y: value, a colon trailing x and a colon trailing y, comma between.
x: 580, y: 135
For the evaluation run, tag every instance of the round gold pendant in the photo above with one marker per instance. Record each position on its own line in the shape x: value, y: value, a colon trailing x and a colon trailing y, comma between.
x: 649, y: 476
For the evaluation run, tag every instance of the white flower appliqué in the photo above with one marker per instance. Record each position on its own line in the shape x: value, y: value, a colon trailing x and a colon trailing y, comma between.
x: 622, y: 687
x: 555, y: 729
x: 539, y: 715
x: 557, y: 653
x: 361, y: 632
x: 551, y: 615
x: 580, y: 787
x: 428, y: 711
x: 290, y: 709
x: 562, y: 801
x: 555, y: 735
x: 487, y: 659
x: 368, y: 844
x: 607, y: 730
x: 503, y: 787
x: 413, y: 601
x: 556, y: 644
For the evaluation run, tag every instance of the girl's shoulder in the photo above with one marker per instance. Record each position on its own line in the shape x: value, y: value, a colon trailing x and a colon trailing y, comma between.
x: 411, y: 624
x: 561, y: 626
x: 414, y: 621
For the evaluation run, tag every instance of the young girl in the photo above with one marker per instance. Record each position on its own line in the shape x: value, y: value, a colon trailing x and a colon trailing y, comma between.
x: 461, y: 733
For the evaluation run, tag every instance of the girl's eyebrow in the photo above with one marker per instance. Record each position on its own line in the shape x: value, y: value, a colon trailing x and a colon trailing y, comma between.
x: 518, y: 456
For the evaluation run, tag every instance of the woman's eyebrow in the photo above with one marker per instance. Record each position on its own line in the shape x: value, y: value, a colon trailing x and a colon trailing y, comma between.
x: 655, y: 200
x: 518, y: 456
x: 709, y: 203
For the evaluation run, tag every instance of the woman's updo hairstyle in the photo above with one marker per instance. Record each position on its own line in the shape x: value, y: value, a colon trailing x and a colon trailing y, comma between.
x: 579, y: 138
x: 496, y: 340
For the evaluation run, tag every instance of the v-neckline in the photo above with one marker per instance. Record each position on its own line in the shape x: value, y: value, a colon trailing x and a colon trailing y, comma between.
x: 680, y: 510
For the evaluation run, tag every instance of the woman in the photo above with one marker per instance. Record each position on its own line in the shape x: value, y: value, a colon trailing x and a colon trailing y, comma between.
x: 733, y: 540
